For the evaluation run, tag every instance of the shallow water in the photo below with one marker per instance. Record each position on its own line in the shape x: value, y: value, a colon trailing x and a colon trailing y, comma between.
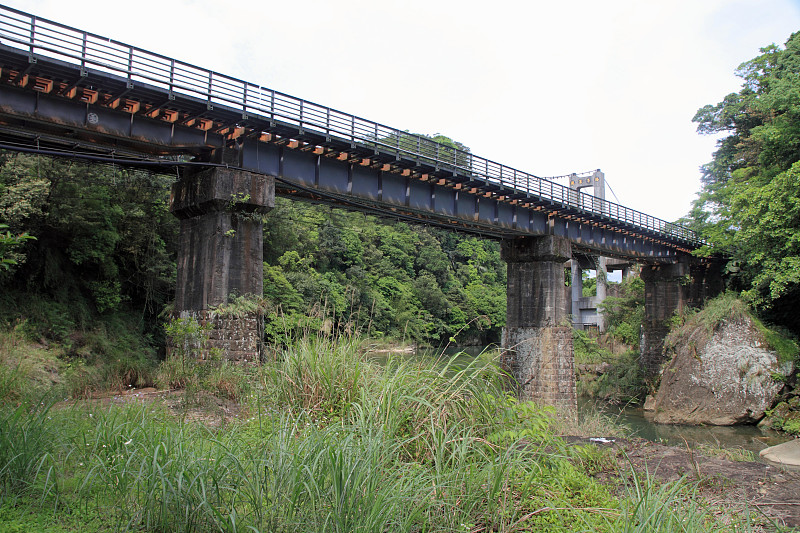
x: 748, y: 437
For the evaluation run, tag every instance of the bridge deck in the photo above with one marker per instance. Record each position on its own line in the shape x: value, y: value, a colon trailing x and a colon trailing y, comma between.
x: 63, y: 87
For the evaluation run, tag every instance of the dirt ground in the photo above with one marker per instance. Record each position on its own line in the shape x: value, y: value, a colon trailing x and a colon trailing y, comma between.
x: 769, y: 490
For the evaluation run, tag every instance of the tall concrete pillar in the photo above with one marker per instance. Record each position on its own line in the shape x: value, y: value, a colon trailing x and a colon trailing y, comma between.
x: 537, y: 339
x: 601, y: 278
x: 221, y: 252
x: 666, y: 291
x: 577, y: 292
x: 627, y: 273
x: 706, y: 280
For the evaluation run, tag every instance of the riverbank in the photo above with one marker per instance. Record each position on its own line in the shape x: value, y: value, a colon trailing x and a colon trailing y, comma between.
x: 729, y: 488
x: 321, y: 437
x: 740, y: 486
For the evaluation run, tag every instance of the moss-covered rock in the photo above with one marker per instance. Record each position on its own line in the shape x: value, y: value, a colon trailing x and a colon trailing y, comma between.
x: 725, y: 367
x: 785, y: 416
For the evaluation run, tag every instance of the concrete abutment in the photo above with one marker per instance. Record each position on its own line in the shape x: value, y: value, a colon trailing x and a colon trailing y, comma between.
x: 221, y: 252
x: 537, y: 339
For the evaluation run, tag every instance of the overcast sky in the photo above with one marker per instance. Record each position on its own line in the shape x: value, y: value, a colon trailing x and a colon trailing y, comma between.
x: 547, y: 87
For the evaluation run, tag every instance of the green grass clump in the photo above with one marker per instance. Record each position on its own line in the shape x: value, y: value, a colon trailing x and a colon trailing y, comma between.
x: 27, y: 447
x: 334, y: 442
x: 651, y: 507
x: 729, y: 454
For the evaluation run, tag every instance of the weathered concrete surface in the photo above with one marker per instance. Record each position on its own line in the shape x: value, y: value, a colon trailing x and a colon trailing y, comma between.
x: 221, y: 239
x: 665, y: 293
x: 707, y: 280
x: 668, y: 289
x: 535, y: 290
x: 537, y: 342
x: 221, y: 251
x: 719, y: 378
x: 787, y: 453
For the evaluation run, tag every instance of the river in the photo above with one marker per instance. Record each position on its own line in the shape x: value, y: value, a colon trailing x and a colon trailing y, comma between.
x: 747, y: 437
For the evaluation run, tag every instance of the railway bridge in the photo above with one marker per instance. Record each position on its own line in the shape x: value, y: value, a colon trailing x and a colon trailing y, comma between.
x: 70, y: 93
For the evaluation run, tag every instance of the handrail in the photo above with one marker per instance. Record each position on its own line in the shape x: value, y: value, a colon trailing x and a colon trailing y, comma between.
x: 51, y: 39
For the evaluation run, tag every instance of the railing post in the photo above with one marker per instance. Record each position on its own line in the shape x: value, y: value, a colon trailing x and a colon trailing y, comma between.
x: 83, y: 54
x: 301, y: 113
x: 33, y: 33
x: 328, y: 120
x: 272, y: 105
x: 171, y: 76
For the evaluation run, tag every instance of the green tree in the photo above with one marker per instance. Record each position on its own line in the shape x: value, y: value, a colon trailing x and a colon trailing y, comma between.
x: 105, y: 241
x: 748, y: 206
x: 8, y: 243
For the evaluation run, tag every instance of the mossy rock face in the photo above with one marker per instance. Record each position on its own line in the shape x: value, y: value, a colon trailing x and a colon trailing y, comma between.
x: 723, y: 369
x: 785, y: 416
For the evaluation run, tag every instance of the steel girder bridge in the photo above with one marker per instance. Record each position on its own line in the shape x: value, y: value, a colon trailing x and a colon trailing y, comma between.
x: 75, y: 94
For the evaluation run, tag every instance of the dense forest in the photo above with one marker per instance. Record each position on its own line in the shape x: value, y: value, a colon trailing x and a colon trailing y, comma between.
x: 101, y: 244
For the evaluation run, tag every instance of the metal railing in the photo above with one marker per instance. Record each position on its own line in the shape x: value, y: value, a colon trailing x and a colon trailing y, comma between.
x: 44, y: 38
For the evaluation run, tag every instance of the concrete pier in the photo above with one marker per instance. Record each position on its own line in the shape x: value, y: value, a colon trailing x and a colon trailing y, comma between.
x: 221, y: 252
x: 537, y: 339
x: 586, y: 311
x: 666, y: 291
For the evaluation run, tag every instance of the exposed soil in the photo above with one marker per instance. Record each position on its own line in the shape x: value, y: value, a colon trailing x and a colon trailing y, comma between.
x: 202, y: 407
x: 771, y: 490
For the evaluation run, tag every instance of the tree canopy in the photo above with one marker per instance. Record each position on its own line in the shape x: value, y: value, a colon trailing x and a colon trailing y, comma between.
x: 749, y: 205
x: 106, y: 243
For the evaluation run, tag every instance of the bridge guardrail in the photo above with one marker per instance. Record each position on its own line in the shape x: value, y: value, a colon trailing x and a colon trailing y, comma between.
x: 45, y: 38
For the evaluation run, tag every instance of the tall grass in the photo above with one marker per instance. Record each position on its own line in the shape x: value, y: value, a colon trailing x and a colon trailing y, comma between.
x: 335, y: 443
x: 27, y: 443
x: 652, y: 507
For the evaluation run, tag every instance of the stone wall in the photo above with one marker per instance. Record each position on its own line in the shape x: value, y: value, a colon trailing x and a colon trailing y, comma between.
x: 237, y: 339
x: 543, y: 364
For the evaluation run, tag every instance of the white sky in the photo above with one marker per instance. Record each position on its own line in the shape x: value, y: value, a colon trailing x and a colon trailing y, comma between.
x: 547, y: 87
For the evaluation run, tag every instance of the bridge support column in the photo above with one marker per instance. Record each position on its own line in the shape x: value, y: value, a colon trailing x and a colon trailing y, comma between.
x: 576, y: 290
x: 221, y: 252
x: 537, y: 339
x: 602, y: 288
x: 666, y: 291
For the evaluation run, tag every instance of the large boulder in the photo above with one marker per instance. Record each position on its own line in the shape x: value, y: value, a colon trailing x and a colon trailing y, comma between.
x: 720, y: 373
